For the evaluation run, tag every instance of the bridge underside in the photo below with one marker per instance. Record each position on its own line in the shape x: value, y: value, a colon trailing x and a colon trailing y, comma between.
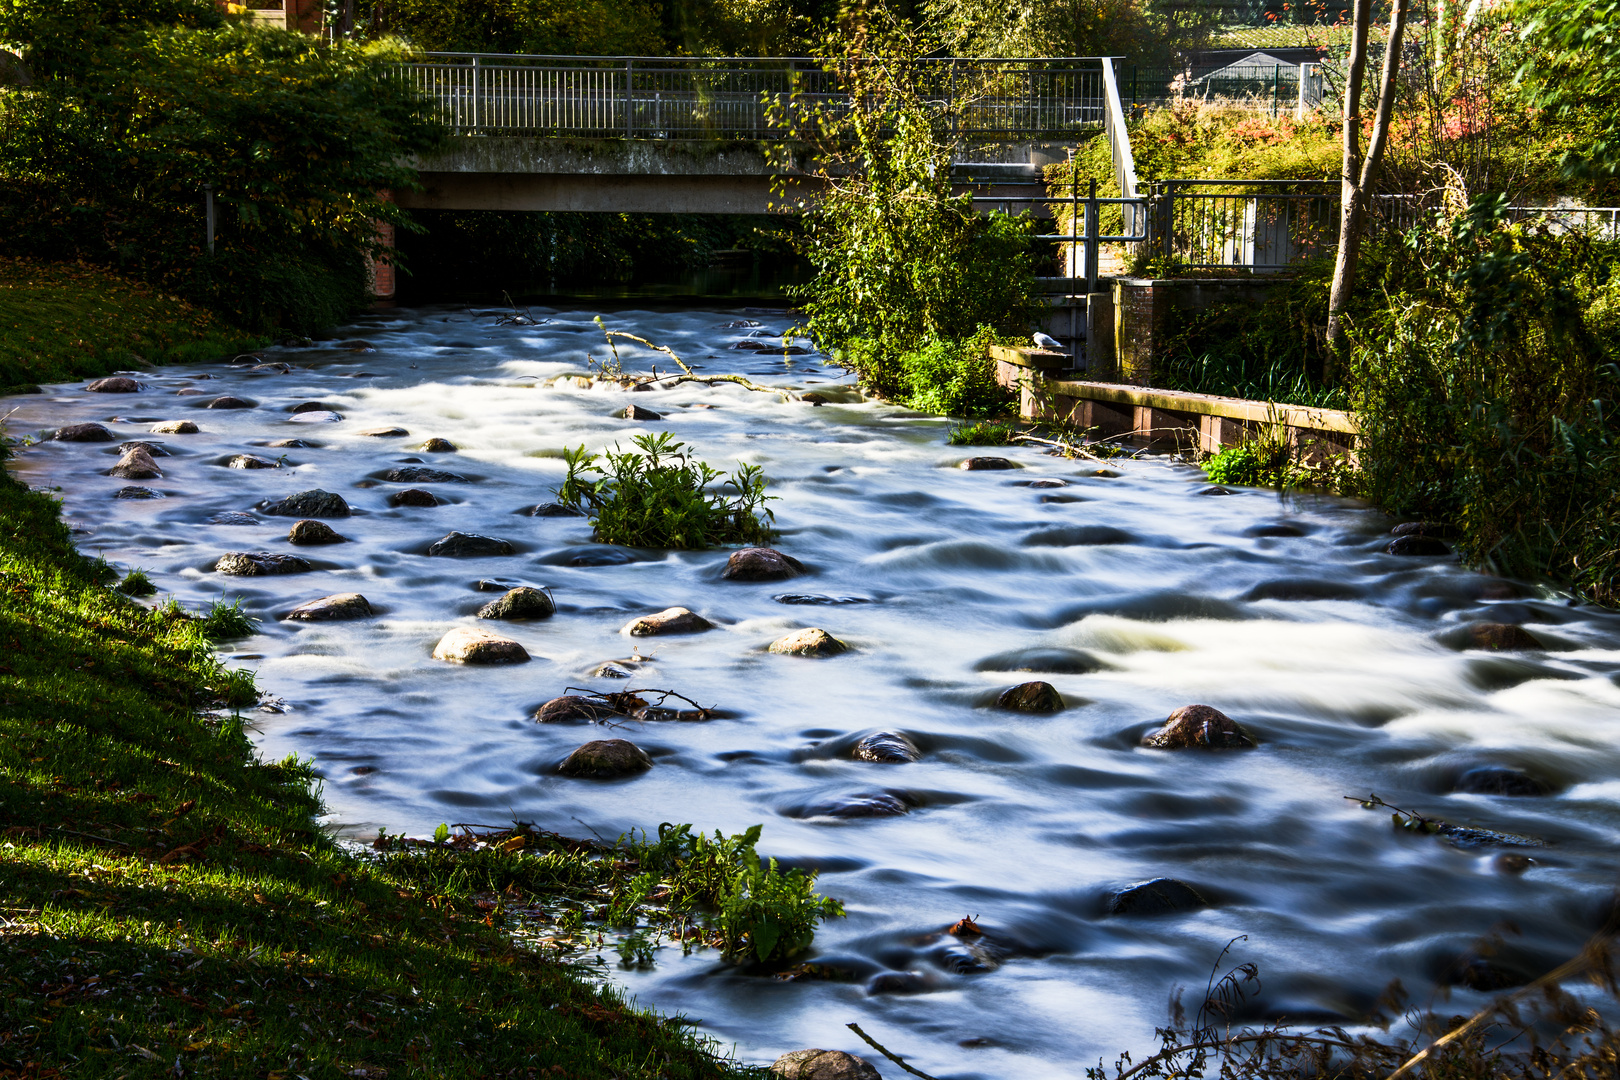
x: 627, y: 177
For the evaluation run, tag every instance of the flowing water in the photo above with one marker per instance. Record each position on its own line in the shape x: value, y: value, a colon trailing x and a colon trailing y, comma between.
x: 1130, y: 590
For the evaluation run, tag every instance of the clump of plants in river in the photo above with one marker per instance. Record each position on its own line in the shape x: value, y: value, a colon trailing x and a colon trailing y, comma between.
x: 910, y: 282
x: 659, y: 496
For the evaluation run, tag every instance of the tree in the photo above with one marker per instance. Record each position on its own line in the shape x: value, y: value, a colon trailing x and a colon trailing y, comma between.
x: 1573, y: 70
x: 1360, y: 171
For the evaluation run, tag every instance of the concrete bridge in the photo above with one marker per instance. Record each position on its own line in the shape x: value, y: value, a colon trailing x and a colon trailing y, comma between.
x: 662, y: 135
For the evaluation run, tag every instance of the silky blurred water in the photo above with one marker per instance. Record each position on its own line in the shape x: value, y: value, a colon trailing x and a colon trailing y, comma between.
x: 1027, y: 822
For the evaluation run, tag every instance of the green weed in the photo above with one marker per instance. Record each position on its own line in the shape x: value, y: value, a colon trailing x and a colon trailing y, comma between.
x: 658, y: 496
x: 227, y: 621
x: 982, y: 433
x: 136, y: 583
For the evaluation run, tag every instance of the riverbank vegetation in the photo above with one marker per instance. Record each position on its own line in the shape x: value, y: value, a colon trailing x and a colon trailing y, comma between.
x: 119, y: 121
x: 172, y: 906
x: 64, y: 321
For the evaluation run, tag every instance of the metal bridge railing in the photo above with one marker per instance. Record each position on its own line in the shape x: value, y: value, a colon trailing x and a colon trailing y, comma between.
x: 730, y: 98
x: 1269, y: 225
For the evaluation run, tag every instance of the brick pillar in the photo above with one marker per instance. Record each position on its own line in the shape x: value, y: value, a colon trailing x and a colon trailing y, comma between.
x: 381, y: 269
x: 1137, y: 320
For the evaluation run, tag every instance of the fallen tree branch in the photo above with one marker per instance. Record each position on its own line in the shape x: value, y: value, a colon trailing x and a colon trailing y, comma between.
x: 879, y: 1047
x: 690, y: 376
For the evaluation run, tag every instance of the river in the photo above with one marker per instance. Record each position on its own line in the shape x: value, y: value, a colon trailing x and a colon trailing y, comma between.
x: 1342, y: 660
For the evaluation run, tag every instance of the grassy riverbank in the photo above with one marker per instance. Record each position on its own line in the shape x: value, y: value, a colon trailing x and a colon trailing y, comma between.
x: 168, y: 907
x: 64, y: 321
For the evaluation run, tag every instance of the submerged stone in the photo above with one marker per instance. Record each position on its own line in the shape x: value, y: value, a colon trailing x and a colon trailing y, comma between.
x: 887, y: 748
x: 522, y: 602
x: 551, y: 509
x: 1502, y: 637
x: 761, y: 564
x: 812, y: 642
x: 1052, y: 660
x: 675, y: 620
x: 133, y: 492
x: 604, y: 759
x: 313, y: 503
x: 155, y: 449
x: 1160, y: 896
x: 233, y: 517
x: 259, y: 563
x: 469, y: 545
x: 873, y: 804
x: 475, y: 645
x: 1501, y: 780
x: 384, y: 432
x: 1198, y: 727
x: 311, y: 406
x: 1034, y: 697
x: 332, y: 608
x: 229, y: 402
x: 314, y: 532
x: 412, y: 474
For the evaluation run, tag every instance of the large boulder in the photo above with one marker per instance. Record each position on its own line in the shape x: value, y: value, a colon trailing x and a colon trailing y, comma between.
x: 823, y: 1065
x: 136, y: 464
x: 1036, y: 697
x: 1198, y: 727
x: 812, y: 642
x: 675, y: 620
x: 117, y: 384
x: 887, y: 748
x: 522, y: 602
x: 349, y: 605
x: 313, y: 503
x: 83, y: 433
x: 606, y: 758
x: 259, y: 563
x: 469, y: 545
x: 761, y: 564
x: 314, y: 532
x: 174, y: 427
x: 1157, y: 897
x: 475, y: 645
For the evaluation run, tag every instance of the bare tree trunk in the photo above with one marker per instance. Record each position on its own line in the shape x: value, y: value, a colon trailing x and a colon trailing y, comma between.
x: 1359, y: 172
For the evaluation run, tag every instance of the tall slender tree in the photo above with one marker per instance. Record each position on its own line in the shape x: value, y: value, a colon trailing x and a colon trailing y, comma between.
x: 1361, y: 170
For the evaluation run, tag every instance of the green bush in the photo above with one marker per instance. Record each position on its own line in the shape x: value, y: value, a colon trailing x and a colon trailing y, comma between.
x: 1255, y: 463
x: 659, y: 498
x: 132, y: 110
x: 1486, y: 387
x: 983, y: 433
x: 225, y: 622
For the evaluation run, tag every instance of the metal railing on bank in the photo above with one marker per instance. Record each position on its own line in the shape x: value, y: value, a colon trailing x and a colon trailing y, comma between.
x: 665, y: 98
x: 1280, y: 89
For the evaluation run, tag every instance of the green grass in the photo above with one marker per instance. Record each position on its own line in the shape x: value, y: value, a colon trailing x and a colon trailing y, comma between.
x: 982, y: 433
x: 65, y: 321
x: 166, y: 897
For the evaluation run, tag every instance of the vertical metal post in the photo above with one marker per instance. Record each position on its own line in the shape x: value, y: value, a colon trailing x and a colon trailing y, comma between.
x: 1092, y: 232
x: 956, y: 116
x: 1167, y: 220
x: 629, y: 99
x: 476, y: 69
x: 1276, y: 86
x: 208, y: 214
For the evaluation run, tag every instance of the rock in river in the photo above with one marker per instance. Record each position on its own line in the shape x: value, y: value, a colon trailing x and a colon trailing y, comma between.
x: 135, y: 492
x: 1037, y: 697
x: 812, y: 642
x: 1501, y: 637
x: 313, y: 503
x: 155, y: 449
x: 384, y: 432
x: 522, y: 602
x: 1416, y: 544
x: 980, y: 464
x: 258, y: 563
x: 413, y: 497
x: 887, y: 748
x: 823, y: 1065
x: 83, y: 433
x: 675, y: 620
x: 1157, y: 897
x: 761, y: 564
x: 571, y: 707
x: 174, y: 427
x: 117, y: 384
x: 438, y: 446
x: 228, y: 402
x: 416, y: 475
x: 606, y: 758
x: 1052, y: 661
x: 1201, y: 727
x: 636, y: 412
x: 137, y: 464
x: 349, y: 605
x: 1500, y: 780
x: 475, y: 645
x: 469, y: 545
x: 251, y: 461
x: 314, y: 532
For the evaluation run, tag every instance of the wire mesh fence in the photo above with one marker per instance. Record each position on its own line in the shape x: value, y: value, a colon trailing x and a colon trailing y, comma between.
x: 717, y: 99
